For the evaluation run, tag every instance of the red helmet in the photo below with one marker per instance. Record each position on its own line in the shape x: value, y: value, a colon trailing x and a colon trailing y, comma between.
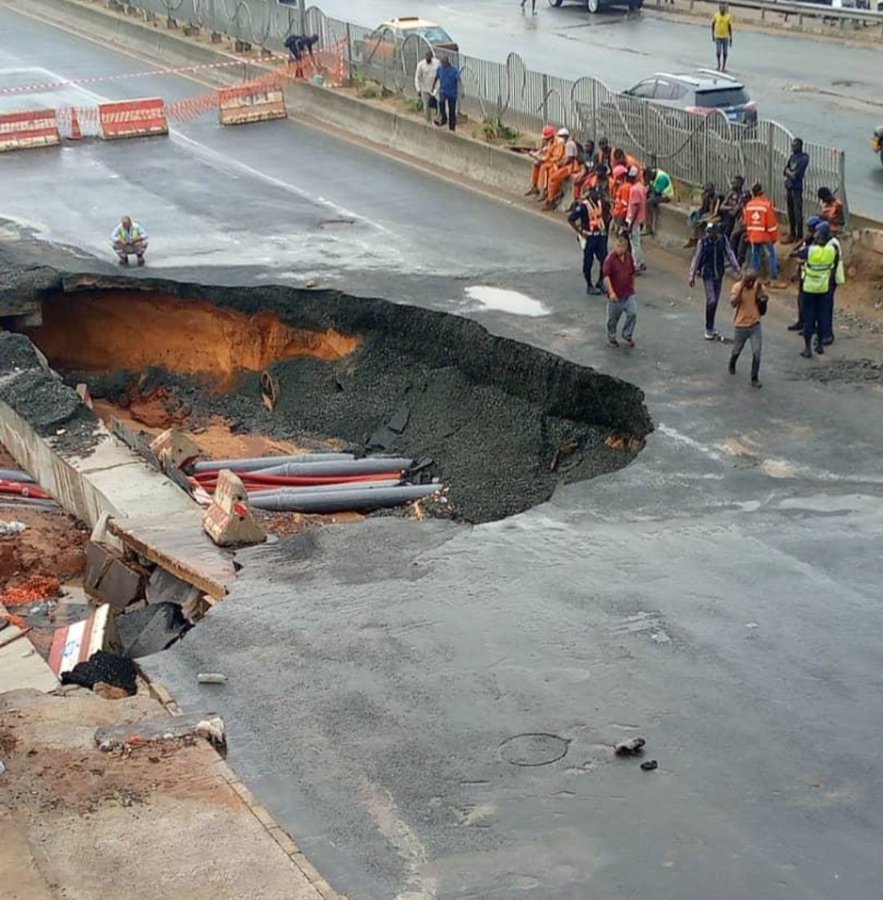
x: 548, y: 132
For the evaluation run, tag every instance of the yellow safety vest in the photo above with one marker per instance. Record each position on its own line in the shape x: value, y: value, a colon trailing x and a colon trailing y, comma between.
x: 817, y: 270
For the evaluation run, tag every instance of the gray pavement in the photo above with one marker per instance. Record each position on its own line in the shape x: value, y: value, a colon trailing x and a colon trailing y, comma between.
x: 826, y: 91
x: 400, y: 694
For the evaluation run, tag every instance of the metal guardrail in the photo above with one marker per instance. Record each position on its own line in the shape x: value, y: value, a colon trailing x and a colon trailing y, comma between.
x: 838, y: 15
x: 693, y: 149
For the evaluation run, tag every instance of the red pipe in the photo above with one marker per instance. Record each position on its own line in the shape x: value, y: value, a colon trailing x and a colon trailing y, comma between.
x: 251, y: 479
x: 23, y: 490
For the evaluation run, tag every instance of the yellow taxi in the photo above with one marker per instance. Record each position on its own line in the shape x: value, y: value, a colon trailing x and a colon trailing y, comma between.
x: 381, y: 44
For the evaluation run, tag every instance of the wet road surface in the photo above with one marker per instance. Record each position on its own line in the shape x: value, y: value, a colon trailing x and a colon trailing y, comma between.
x: 822, y: 90
x: 430, y: 708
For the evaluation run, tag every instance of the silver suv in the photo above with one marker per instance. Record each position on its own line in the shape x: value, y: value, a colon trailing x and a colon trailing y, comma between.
x: 701, y: 93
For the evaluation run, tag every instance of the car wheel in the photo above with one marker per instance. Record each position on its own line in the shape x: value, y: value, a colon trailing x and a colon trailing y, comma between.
x: 593, y: 6
x: 555, y: 3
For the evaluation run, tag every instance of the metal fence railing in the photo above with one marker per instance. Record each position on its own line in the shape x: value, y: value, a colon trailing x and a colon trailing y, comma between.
x: 693, y: 149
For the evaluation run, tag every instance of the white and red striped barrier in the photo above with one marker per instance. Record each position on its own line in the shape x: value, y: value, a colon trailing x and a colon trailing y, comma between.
x: 76, y: 643
x: 133, y: 118
x: 251, y: 103
x: 30, y: 128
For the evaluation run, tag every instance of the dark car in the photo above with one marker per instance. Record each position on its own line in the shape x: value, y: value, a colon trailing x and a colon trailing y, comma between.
x: 596, y: 6
x: 702, y: 93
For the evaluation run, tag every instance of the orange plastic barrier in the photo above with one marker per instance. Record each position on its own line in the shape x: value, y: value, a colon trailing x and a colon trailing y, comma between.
x: 133, y: 118
x: 34, y: 128
x: 251, y: 103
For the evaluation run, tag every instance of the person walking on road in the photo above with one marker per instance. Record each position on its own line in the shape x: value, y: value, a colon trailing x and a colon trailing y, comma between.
x: 820, y: 266
x: 795, y: 172
x: 636, y: 216
x: 761, y: 230
x: 587, y: 220
x: 713, y: 254
x: 424, y: 83
x: 533, y: 6
x: 619, y: 283
x: 129, y: 239
x: 447, y: 80
x: 722, y: 35
x: 749, y: 300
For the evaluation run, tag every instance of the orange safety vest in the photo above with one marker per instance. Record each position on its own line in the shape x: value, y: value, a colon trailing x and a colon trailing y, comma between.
x: 761, y: 224
x: 596, y: 218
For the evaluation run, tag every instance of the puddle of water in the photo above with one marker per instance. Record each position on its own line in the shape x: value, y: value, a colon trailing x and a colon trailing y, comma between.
x: 504, y: 300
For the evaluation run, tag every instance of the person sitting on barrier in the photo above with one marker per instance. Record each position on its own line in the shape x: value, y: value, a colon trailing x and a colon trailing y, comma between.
x: 567, y: 167
x: 554, y: 155
x: 539, y: 174
x: 660, y: 189
x: 604, y: 152
x: 619, y: 157
x: 297, y: 44
x: 129, y: 238
x: 709, y: 208
x: 831, y: 210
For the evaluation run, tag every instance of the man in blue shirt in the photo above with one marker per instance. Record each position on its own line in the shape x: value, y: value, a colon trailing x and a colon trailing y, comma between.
x: 795, y: 170
x: 448, y: 81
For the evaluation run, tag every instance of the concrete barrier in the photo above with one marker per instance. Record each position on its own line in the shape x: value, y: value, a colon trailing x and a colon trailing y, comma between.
x: 133, y: 118
x: 27, y: 129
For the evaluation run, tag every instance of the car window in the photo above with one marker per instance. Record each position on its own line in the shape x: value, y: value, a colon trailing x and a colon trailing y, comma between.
x: 433, y: 34
x: 644, y: 89
x: 720, y: 97
x: 665, y: 90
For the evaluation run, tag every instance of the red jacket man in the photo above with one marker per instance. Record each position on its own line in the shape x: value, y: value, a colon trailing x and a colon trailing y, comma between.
x: 761, y: 230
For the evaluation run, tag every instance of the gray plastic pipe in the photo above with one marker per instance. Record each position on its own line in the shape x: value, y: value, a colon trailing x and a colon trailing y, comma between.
x: 16, y: 475
x: 371, y: 465
x: 326, y: 488
x: 344, y: 501
x: 254, y: 463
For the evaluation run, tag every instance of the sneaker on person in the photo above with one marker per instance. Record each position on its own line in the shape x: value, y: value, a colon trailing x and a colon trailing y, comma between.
x: 613, y: 343
x: 712, y: 335
x: 629, y: 342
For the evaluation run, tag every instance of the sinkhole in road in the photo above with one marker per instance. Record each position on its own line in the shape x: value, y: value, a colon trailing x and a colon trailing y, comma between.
x: 499, y: 422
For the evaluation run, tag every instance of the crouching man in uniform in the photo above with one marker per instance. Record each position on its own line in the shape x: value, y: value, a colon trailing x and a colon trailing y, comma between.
x: 129, y: 238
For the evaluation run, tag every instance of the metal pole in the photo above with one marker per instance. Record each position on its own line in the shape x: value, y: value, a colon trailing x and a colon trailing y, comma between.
x: 301, y: 17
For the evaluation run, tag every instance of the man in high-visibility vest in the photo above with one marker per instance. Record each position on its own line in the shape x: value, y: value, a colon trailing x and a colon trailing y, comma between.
x: 129, y: 238
x: 761, y: 230
x: 587, y: 220
x: 821, y: 263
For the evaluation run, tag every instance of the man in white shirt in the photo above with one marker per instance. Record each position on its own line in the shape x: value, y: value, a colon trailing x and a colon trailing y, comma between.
x: 128, y: 238
x: 424, y: 79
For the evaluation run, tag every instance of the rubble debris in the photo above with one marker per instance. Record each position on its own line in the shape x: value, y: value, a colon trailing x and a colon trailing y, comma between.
x: 228, y: 521
x: 110, y: 579
x: 631, y: 747
x: 649, y: 765
x: 214, y: 732
x: 9, y: 528
x: 123, y: 739
x: 150, y: 629
x: 164, y: 587
x: 173, y: 448
x: 211, y: 678
x: 33, y: 589
x: 76, y: 644
x: 104, y: 667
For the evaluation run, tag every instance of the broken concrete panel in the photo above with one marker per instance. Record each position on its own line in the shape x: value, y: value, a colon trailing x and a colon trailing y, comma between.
x: 109, y: 579
x: 78, y: 642
x: 164, y: 587
x: 174, y: 448
x: 150, y: 630
x: 153, y: 729
x: 228, y: 521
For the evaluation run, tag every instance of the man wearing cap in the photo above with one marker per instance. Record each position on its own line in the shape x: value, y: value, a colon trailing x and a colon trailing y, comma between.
x: 800, y: 253
x: 587, y: 220
x: 540, y: 157
x: 713, y: 255
x: 820, y: 265
x: 129, y: 239
x: 636, y: 216
x: 566, y: 168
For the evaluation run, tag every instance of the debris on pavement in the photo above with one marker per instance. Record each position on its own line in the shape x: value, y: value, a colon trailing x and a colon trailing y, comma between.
x: 649, y: 765
x: 211, y: 678
x: 103, y: 666
x: 228, y: 521
x: 10, y: 528
x: 124, y: 738
x: 631, y: 747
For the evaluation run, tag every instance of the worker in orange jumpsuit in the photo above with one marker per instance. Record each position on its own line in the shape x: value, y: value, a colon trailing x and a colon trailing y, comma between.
x: 540, y: 157
x: 567, y: 167
x: 553, y: 157
x: 619, y: 190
